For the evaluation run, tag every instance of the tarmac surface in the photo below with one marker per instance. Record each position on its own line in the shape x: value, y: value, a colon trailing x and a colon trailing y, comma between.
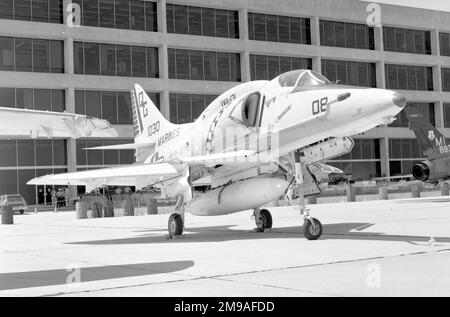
x: 380, y: 248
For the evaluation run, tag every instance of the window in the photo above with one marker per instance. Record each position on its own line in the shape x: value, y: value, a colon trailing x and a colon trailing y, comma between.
x: 407, y: 40
x: 273, y: 28
x: 349, y: 35
x: 203, y: 65
x: 409, y: 77
x: 90, y: 13
x: 41, y: 56
x: 49, y: 11
x: 7, y: 9
x: 426, y: 109
x: 446, y: 79
x: 447, y: 115
x: 350, y: 73
x: 106, y: 8
x: 185, y: 108
x: 122, y: 10
x: 264, y: 67
x: 116, y: 60
x: 192, y: 20
x: 404, y: 154
x: 7, y: 97
x: 445, y: 43
x: 7, y: 53
x: 24, y: 57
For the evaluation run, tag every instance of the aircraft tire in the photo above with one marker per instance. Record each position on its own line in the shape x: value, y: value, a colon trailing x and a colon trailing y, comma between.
x: 265, y: 221
x: 175, y: 225
x: 310, y: 232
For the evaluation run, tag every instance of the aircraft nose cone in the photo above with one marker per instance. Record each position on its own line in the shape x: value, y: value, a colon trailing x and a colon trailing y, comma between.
x: 399, y: 100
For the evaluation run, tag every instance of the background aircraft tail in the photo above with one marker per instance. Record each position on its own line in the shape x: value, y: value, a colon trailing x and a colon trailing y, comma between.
x: 148, y: 121
x: 431, y: 141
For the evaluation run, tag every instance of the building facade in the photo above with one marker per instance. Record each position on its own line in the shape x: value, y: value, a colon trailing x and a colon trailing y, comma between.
x: 185, y: 53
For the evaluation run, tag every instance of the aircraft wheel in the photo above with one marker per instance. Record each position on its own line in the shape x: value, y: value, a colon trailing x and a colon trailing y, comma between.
x: 263, y: 220
x: 312, y: 232
x: 175, y: 225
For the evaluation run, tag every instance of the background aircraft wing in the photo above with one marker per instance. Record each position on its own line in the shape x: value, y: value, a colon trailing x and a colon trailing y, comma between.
x: 35, y: 123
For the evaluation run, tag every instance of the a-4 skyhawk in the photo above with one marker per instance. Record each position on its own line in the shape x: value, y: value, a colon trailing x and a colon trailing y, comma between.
x: 258, y: 139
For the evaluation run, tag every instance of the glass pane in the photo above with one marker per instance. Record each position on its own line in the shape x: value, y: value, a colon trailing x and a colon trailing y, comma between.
x: 172, y: 63
x: 90, y: 13
x: 123, y: 60
x: 170, y: 18
x: 24, y: 98
x: 22, y: 10
x: 23, y: 55
x: 124, y: 108
x: 184, y: 108
x: 182, y: 64
x: 81, y: 153
x: 7, y: 53
x: 328, y: 29
x: 400, y: 44
x: 210, y: 65
x: 108, y: 59
x: 221, y: 23
x: 110, y: 157
x: 295, y: 26
x: 273, y: 66
x: 410, y: 41
x: 260, y: 27
x: 56, y: 11
x: 78, y: 57
x: 198, y: 105
x: 283, y: 29
x: 56, y: 56
x: 93, y: 104
x: 95, y: 157
x: 42, y: 99
x: 44, y: 153
x: 58, y: 100
x: 339, y: 28
x: 28, y: 192
x: 107, y: 13
x: 137, y: 12
x: 361, y: 36
x: 151, y: 21
x: 92, y: 59
x: 7, y: 97
x: 208, y: 24
x: 223, y: 66
x: 272, y: 28
x: 196, y: 63
x: 181, y: 21
x: 251, y: 29
x: 195, y: 20
x: 59, y: 152
x: 109, y: 107
x: 8, y: 182
x: 122, y: 14
x: 40, y: 10
x: 235, y: 60
x: 41, y: 56
x: 139, y: 61
x: 8, y: 155
x: 79, y: 102
x: 350, y: 35
x: 261, y: 68
x: 6, y: 9
x: 233, y: 24
x: 152, y: 62
x: 126, y: 156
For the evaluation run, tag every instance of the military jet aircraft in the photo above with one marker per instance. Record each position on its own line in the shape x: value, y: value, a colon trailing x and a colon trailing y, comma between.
x: 258, y: 139
x: 434, y: 146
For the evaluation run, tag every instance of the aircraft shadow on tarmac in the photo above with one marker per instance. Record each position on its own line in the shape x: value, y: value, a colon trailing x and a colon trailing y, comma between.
x: 17, y: 280
x: 338, y: 231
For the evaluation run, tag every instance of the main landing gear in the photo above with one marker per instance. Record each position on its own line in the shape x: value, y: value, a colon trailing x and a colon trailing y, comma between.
x: 312, y: 228
x: 263, y: 220
x: 176, y: 220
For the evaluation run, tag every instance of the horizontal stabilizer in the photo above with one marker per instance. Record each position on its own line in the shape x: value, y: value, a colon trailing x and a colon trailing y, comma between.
x: 128, y: 146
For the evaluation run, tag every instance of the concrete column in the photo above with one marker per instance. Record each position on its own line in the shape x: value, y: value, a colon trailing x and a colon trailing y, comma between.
x: 165, y: 104
x: 243, y: 24
x: 439, y: 112
x: 70, y: 99
x: 378, y: 36
x: 437, y: 78
x: 384, y: 156
x: 162, y: 17
x: 435, y: 43
x: 381, y: 75
x: 68, y: 56
x: 317, y: 64
x: 245, y: 66
x: 315, y: 31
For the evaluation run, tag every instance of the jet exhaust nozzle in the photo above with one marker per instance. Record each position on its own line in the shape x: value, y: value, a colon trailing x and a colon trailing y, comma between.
x: 421, y: 172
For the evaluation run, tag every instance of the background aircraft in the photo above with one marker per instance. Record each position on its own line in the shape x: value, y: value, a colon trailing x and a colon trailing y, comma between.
x: 434, y: 146
x: 34, y: 123
x: 257, y: 138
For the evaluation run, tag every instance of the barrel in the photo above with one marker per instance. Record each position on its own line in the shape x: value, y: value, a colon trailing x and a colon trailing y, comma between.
x: 445, y: 189
x: 81, y: 209
x: 383, y: 191
x: 152, y: 206
x: 7, y: 215
x: 351, y: 193
x: 128, y: 206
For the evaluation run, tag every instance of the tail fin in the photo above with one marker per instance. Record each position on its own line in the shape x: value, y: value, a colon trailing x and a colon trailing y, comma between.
x: 432, y: 142
x: 147, y: 120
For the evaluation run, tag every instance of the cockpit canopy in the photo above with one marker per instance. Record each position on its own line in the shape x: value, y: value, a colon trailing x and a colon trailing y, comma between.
x: 300, y: 78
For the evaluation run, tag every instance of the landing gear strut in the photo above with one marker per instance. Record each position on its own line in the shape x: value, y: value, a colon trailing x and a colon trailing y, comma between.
x: 263, y: 220
x: 312, y: 228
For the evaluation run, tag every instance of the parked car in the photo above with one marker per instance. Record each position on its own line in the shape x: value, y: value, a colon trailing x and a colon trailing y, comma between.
x: 16, y: 201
